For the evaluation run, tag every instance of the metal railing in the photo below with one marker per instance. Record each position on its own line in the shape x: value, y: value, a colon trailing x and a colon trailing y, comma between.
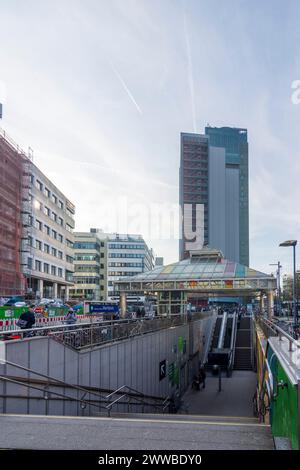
x: 269, y: 328
x: 85, y: 335
x: 134, y: 397
x: 88, y: 396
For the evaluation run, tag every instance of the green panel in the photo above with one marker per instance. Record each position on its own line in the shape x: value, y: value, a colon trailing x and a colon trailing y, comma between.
x: 284, y: 408
x: 11, y: 313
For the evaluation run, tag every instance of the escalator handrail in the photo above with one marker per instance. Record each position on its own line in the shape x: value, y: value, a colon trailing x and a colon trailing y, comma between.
x: 211, y: 337
x: 233, y: 341
x: 222, y: 331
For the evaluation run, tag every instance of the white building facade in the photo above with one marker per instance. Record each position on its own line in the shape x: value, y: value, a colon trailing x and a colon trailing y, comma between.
x: 47, y: 246
x: 127, y: 255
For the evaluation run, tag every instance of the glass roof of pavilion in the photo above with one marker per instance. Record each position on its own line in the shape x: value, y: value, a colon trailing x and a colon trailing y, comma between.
x: 206, y: 264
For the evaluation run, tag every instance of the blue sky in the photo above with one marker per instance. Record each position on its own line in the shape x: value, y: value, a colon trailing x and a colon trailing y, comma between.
x: 102, y: 89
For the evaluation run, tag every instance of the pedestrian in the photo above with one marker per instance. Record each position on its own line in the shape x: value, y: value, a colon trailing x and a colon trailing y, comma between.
x: 196, y: 382
x: 27, y: 319
x: 202, y: 375
x: 70, y: 317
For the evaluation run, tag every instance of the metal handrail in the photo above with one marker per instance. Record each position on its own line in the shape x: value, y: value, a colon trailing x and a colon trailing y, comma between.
x: 233, y: 341
x: 77, y: 326
x: 142, y: 398
x: 50, y: 378
x: 278, y: 331
x: 222, y: 330
x: 211, y: 337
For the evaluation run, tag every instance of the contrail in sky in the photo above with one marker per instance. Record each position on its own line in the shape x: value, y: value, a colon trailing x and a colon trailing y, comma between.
x: 125, y: 88
x: 190, y: 67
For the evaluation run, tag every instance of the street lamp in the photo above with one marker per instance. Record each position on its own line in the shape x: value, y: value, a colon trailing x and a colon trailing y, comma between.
x: 293, y: 243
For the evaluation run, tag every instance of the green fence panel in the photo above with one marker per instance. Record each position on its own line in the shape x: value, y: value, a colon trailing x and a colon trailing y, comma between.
x: 284, y: 407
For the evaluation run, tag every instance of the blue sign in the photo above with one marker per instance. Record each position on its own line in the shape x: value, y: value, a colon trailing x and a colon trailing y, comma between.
x: 104, y: 308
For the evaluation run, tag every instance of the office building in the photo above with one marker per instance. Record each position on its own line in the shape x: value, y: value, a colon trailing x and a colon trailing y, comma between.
x: 193, y: 192
x: 47, y: 248
x: 214, y: 181
x: 234, y: 142
x: 127, y: 255
x: 90, y: 266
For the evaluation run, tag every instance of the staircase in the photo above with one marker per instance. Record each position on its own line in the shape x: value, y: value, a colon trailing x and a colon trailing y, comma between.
x: 242, y: 358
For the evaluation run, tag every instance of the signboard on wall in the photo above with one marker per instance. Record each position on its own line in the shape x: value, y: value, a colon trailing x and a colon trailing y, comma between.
x: 104, y: 308
x: 162, y: 370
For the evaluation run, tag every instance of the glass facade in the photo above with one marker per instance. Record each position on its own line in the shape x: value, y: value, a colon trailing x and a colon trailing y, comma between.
x: 235, y: 142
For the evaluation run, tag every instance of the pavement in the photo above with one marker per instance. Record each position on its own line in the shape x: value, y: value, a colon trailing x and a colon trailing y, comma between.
x: 142, y: 433
x: 235, y: 398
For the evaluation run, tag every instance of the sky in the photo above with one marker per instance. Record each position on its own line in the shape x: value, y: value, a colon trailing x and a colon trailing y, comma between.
x: 101, y: 89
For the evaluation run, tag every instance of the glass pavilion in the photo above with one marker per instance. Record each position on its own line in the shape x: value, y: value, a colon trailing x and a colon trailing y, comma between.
x: 206, y: 273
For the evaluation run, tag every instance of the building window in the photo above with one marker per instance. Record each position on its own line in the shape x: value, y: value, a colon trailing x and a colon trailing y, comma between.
x: 29, y: 263
x: 37, y: 205
x: 86, y: 246
x: 39, y: 185
x: 46, y: 248
x: 47, y: 192
x: 54, y: 217
x: 54, y: 234
x: 54, y: 199
x: 47, y: 211
x: 69, y: 243
x: 38, y: 225
x: 53, y: 251
x: 60, y: 254
x: 47, y: 230
x: 69, y: 259
x: 61, y: 221
x: 38, y: 265
x: 69, y: 276
x: 69, y: 228
x: 60, y: 272
x: 60, y: 238
x: 53, y: 270
x: 46, y: 268
x: 38, y: 245
x: 30, y: 240
x: 61, y: 205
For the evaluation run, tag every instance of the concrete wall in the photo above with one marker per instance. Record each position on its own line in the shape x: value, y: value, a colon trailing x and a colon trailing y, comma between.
x: 134, y: 362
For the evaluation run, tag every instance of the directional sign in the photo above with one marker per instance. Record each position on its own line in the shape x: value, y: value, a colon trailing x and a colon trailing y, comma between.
x: 104, y: 308
x: 162, y: 370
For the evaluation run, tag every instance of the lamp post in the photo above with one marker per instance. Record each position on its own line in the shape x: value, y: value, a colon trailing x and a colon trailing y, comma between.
x: 278, y: 286
x: 293, y: 243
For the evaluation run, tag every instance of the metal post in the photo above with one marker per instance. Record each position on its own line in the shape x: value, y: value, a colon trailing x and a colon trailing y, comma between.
x: 279, y: 288
x: 295, y: 288
x: 220, y: 379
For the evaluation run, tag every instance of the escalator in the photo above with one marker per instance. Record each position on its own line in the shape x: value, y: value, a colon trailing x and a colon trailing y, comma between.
x: 216, y: 334
x: 222, y: 344
x: 228, y: 333
x: 243, y: 349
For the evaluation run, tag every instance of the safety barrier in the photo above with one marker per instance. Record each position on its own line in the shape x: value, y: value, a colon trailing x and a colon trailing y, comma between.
x: 277, y: 398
